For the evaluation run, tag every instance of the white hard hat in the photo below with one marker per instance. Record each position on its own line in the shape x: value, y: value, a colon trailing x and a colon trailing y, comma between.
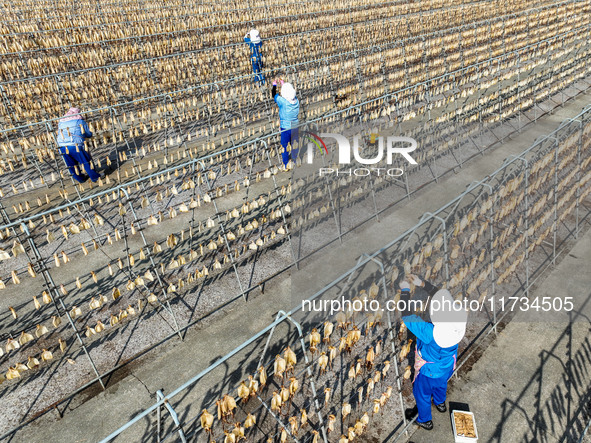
x: 255, y: 37
x: 449, y: 320
x: 448, y: 334
x: 288, y: 92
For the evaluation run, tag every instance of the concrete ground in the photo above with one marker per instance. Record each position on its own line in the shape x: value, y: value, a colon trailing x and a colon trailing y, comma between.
x: 533, y: 383
x: 90, y: 418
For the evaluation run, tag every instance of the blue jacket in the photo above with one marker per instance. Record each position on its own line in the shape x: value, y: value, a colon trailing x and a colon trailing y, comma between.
x: 255, y: 50
x: 75, y: 136
x: 441, y: 360
x: 288, y: 112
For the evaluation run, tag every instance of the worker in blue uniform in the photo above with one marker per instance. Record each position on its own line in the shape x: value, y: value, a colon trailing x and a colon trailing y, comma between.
x: 436, y: 349
x: 71, y: 133
x: 255, y: 43
x: 289, y: 110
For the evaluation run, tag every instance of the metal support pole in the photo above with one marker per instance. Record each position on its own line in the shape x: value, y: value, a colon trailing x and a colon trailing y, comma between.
x: 527, y: 213
x: 175, y: 418
x: 492, y: 257
x: 490, y: 220
x: 578, y: 191
x: 444, y: 233
x: 158, y: 423
x: 555, y: 200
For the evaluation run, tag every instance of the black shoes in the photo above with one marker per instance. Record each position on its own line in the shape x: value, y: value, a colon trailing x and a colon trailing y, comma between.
x: 428, y: 425
x: 441, y: 407
x: 411, y: 413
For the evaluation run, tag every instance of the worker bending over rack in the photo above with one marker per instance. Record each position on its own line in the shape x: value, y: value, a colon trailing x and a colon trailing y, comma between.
x: 436, y: 349
x: 71, y: 134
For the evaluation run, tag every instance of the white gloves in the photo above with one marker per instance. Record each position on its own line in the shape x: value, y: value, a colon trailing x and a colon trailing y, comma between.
x: 404, y: 286
x: 415, y: 280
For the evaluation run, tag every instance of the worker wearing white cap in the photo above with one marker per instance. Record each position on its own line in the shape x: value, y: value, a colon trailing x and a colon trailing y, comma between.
x: 436, y: 349
x: 253, y: 38
x: 289, y: 110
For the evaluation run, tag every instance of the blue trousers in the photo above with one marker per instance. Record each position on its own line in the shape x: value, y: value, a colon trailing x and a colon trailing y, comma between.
x: 257, y: 67
x: 289, y: 136
x: 76, y: 159
x: 426, y: 387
